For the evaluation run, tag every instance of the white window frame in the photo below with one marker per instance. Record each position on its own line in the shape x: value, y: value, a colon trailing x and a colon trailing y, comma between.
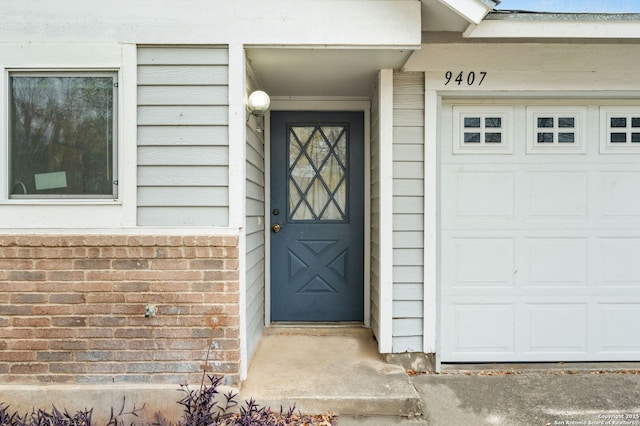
x: 579, y: 114
x: 505, y: 113
x: 94, y: 72
x: 608, y: 112
x: 58, y: 214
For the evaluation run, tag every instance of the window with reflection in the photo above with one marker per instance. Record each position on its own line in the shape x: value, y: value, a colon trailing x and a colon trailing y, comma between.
x: 483, y: 129
x: 555, y: 129
x: 62, y: 136
x: 318, y: 177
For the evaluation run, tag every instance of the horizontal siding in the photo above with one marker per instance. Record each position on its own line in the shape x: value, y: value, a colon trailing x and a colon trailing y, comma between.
x: 183, y: 115
x: 408, y: 211
x: 183, y: 95
x: 255, y: 191
x: 407, y: 344
x: 182, y: 75
x: 183, y: 196
x: 184, y: 216
x: 408, y: 204
x: 408, y: 292
x: 405, y: 327
x: 409, y: 169
x: 182, y: 176
x: 407, y: 257
x: 411, y: 308
x: 254, y: 232
x: 408, y: 187
x: 410, y: 239
x: 180, y: 156
x: 375, y: 217
x: 183, y: 55
x: 409, y: 135
x: 407, y: 274
x: 183, y: 136
x: 408, y: 222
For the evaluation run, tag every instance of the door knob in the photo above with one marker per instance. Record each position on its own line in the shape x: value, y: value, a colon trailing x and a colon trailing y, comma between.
x: 276, y: 228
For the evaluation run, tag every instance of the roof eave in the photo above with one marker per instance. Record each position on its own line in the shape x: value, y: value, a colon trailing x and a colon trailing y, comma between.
x: 474, y: 11
x: 556, y: 25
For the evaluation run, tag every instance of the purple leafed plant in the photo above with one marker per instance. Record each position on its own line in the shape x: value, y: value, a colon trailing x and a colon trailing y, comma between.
x: 203, y: 407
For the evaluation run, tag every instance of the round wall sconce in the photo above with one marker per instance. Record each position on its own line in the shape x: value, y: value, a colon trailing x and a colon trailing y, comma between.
x: 258, y: 103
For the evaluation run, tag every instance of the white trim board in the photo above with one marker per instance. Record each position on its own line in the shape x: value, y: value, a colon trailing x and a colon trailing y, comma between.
x: 237, y: 187
x: 385, y: 304
x: 554, y: 29
x: 285, y: 22
x: 68, y: 214
x: 431, y: 224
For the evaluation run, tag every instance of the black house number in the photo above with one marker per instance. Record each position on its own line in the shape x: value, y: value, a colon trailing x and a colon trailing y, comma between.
x: 469, y: 78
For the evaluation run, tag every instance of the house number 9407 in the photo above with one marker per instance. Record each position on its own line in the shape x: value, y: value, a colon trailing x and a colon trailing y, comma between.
x: 465, y: 78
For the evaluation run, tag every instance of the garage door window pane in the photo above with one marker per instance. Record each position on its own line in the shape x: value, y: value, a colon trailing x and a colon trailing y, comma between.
x: 618, y: 138
x: 471, y: 137
x: 545, y: 137
x: 622, y: 128
x: 493, y: 137
x: 566, y: 122
x: 493, y: 122
x: 481, y: 129
x: 545, y: 122
x: 62, y: 135
x: 618, y: 122
x: 556, y: 132
x: 566, y: 138
x: 486, y: 130
x: 472, y: 122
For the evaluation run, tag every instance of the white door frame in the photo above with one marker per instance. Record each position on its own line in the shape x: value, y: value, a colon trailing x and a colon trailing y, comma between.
x: 319, y: 104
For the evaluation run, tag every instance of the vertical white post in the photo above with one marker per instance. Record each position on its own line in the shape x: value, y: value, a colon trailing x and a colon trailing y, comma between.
x: 237, y: 135
x: 237, y: 181
x: 430, y: 220
x: 385, y: 87
x: 128, y: 135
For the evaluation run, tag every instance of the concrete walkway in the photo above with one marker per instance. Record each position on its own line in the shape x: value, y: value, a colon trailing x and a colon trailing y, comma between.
x: 335, y: 369
x: 339, y: 370
x: 547, y: 398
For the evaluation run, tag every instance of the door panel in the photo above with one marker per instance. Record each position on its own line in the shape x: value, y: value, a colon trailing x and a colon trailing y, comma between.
x: 317, y: 232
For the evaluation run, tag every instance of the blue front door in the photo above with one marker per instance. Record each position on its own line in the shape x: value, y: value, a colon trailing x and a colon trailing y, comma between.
x: 317, y: 226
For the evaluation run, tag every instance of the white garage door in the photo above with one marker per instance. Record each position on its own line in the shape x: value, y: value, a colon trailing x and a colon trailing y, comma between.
x: 540, y: 232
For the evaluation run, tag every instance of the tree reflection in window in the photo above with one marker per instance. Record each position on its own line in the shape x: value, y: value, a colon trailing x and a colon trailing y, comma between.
x: 483, y: 130
x: 318, y: 175
x: 62, y: 134
x: 556, y: 129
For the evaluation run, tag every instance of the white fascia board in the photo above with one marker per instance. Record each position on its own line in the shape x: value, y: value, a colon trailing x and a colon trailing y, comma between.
x: 249, y: 22
x: 473, y: 11
x: 555, y: 29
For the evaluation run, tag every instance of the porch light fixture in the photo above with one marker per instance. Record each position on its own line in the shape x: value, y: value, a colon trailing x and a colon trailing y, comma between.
x: 258, y: 103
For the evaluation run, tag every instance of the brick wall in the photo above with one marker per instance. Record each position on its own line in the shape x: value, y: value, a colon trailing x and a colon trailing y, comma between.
x: 72, y: 308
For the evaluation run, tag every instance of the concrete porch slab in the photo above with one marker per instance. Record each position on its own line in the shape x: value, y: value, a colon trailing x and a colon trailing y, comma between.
x: 328, y: 368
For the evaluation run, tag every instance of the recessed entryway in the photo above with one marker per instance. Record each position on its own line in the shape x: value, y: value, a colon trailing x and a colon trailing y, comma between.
x: 317, y: 216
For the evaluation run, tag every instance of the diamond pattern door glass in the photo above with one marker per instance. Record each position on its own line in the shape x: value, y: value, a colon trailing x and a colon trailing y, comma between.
x: 317, y: 173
